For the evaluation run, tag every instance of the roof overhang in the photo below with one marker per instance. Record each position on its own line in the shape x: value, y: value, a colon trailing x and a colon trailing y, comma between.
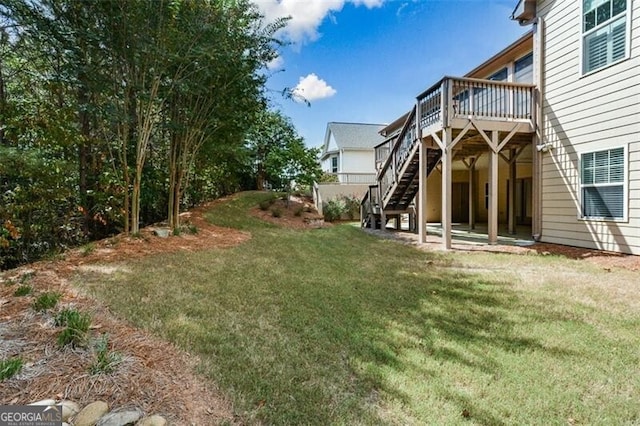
x: 524, y: 12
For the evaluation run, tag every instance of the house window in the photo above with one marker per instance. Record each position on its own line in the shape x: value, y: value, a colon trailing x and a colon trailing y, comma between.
x: 334, y: 164
x: 603, y: 184
x: 604, y: 33
x: 523, y: 73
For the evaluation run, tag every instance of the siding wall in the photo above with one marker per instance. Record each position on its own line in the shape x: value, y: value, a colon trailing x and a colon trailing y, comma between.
x: 358, y: 161
x: 582, y: 114
x: 434, y: 191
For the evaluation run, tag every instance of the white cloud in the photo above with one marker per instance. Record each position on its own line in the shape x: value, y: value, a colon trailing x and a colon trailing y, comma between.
x: 306, y: 16
x: 311, y: 88
x: 275, y: 63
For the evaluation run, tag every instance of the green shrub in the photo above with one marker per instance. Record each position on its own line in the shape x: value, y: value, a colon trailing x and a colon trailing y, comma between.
x: 328, y: 178
x: 298, y: 211
x: 276, y: 212
x: 264, y: 205
x: 77, y: 326
x: 333, y: 210
x: 10, y: 367
x: 46, y: 301
x: 105, y: 362
x: 352, y: 206
x: 23, y: 290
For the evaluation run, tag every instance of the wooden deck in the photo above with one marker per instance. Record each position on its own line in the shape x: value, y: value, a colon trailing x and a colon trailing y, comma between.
x: 457, y: 119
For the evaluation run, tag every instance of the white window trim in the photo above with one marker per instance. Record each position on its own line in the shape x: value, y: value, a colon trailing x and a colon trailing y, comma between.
x: 336, y: 157
x: 627, y: 46
x: 625, y: 187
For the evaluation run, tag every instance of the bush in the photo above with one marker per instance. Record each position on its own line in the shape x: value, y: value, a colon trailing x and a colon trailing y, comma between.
x: 264, y: 205
x: 298, y: 211
x: 334, y: 209
x: 10, y: 367
x: 276, y: 212
x: 328, y: 178
x: 46, y: 301
x: 352, y: 206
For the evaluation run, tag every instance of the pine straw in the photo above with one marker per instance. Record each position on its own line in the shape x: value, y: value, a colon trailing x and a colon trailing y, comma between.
x: 153, y: 375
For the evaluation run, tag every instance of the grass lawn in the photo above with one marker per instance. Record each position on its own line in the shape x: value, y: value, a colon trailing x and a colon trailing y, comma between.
x: 334, y: 326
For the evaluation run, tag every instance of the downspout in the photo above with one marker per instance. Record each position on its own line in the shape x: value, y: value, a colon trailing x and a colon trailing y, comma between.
x: 539, y: 138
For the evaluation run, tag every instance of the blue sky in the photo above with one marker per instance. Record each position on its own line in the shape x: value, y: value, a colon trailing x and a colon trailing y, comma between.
x: 366, y: 60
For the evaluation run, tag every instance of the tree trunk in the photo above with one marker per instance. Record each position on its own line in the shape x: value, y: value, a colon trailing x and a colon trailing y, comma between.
x: 83, y: 153
x: 3, y: 106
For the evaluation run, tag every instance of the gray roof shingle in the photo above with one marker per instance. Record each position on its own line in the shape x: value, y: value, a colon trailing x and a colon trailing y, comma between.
x: 353, y: 135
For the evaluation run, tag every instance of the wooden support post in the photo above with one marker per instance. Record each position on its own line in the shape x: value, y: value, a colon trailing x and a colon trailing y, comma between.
x: 512, y: 191
x: 398, y: 219
x: 421, y: 203
x: 472, y: 193
x: 383, y: 219
x: 446, y: 188
x: 493, y: 190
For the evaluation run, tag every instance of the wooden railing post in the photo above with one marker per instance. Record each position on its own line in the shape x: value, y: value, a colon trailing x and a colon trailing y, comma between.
x: 444, y: 102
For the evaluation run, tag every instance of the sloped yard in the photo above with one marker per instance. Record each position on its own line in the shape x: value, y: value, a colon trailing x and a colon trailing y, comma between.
x: 335, y: 326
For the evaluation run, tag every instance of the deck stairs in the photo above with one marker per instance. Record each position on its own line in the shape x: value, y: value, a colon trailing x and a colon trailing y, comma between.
x: 397, y: 180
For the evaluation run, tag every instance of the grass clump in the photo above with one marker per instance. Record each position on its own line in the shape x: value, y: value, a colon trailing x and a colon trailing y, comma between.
x: 77, y: 326
x: 46, y: 301
x: 10, y: 367
x: 298, y: 211
x: 87, y: 249
x: 276, y: 212
x: 23, y: 290
x: 105, y: 361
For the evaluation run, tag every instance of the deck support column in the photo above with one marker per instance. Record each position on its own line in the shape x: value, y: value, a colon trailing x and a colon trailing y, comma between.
x: 512, y: 191
x: 446, y: 188
x: 493, y: 190
x: 471, y: 166
x: 383, y: 218
x: 421, y: 203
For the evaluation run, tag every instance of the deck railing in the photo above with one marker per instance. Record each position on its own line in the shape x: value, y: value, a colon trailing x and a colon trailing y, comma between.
x: 445, y: 101
x: 355, y: 178
x: 382, y: 152
x: 453, y: 97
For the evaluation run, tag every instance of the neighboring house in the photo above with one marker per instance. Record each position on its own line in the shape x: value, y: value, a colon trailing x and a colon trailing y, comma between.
x: 348, y: 151
x: 348, y: 154
x: 545, y: 134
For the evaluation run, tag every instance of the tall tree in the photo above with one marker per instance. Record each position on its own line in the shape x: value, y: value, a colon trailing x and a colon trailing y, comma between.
x: 278, y: 153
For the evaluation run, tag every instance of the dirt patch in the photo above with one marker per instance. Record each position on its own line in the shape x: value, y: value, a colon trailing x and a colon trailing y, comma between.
x: 605, y: 259
x: 300, y: 213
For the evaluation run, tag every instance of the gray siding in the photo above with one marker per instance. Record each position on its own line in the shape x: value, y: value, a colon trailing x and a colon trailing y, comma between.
x: 587, y: 113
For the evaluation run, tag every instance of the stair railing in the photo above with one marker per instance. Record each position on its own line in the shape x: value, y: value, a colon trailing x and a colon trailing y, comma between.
x: 388, y: 173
